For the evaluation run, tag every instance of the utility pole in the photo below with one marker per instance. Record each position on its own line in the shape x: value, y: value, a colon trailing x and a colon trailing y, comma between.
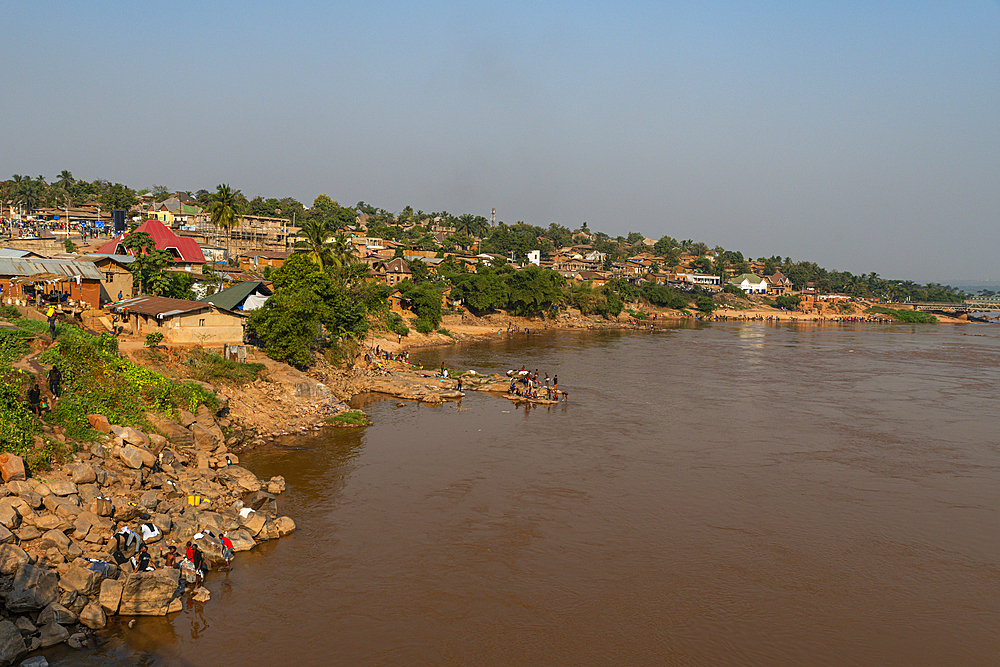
x: 493, y: 218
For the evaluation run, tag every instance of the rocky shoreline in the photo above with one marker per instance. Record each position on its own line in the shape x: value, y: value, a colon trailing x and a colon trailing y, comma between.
x: 59, y: 581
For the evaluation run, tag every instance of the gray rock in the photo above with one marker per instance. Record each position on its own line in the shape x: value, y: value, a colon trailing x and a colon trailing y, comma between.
x: 32, y: 498
x: 149, y: 500
x: 57, y: 539
x: 28, y: 533
x: 285, y: 525
x: 53, y: 634
x: 6, y: 537
x: 134, y: 437
x: 25, y: 626
x: 131, y: 456
x: 241, y: 539
x: 84, y: 474
x: 33, y: 588
x: 93, y: 616
x: 12, y: 646
x: 56, y: 613
x: 204, y: 438
x: 18, y: 486
x: 61, y: 487
x: 237, y: 477
x: 9, y: 517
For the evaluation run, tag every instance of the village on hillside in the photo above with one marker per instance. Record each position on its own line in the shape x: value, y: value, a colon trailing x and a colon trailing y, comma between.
x: 206, y: 274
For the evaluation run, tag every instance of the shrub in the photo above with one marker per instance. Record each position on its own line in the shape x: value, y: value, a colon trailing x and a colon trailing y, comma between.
x: 216, y: 369
x: 913, y: 316
x: 153, y: 339
x: 423, y: 326
x: 9, y: 313
x: 788, y: 302
x: 351, y: 418
x: 442, y: 330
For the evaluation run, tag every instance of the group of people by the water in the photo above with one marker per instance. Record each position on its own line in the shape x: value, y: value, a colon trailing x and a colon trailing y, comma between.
x: 525, y: 384
x: 193, y: 564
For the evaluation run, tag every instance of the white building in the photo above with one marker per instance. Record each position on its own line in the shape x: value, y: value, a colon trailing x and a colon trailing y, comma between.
x: 750, y: 283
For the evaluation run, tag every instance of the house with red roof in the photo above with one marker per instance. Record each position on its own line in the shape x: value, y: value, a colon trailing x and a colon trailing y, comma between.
x: 186, y: 251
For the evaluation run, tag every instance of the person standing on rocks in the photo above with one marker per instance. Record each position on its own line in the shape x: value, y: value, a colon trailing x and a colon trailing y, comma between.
x: 227, y: 550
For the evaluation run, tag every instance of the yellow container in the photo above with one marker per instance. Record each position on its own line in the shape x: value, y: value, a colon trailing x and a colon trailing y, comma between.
x: 194, y: 500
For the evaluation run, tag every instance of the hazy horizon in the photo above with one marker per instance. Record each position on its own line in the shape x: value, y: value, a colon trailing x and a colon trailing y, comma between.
x: 864, y: 139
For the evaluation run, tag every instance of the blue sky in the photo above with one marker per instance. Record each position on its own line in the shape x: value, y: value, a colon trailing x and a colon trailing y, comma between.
x: 862, y: 136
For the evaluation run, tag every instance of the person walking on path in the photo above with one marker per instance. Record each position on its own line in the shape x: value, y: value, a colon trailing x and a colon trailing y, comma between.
x: 55, y: 381
x: 51, y: 315
x: 35, y: 400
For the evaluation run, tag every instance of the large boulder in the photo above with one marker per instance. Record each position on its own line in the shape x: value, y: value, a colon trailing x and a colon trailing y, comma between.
x: 99, y: 423
x: 18, y: 487
x: 185, y: 418
x: 62, y: 487
x: 12, y: 646
x: 57, y: 539
x: 134, y: 437
x: 93, y: 616
x: 84, y: 474
x: 11, y: 467
x: 33, y: 589
x: 204, y: 438
x: 11, y: 557
x: 237, y: 477
x: 285, y: 525
x: 56, y: 613
x: 9, y: 516
x: 6, y: 537
x: 252, y: 521
x: 241, y: 539
x: 102, y: 506
x: 175, y: 433
x: 149, y: 593
x: 111, y: 596
x: 80, y: 580
x: 131, y: 456
x: 53, y: 634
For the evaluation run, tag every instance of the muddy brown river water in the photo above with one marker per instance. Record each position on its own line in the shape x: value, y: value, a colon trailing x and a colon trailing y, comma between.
x: 726, y: 494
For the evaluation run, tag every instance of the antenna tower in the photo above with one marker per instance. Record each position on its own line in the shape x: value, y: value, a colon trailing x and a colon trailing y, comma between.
x: 493, y: 218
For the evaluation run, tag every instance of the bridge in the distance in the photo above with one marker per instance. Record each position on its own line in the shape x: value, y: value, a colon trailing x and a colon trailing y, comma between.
x: 973, y: 305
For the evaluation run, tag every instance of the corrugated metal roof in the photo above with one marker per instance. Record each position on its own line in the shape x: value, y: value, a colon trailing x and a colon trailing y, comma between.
x: 11, y: 267
x: 160, y: 305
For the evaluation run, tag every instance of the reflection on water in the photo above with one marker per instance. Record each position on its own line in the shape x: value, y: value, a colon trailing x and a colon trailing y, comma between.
x: 758, y: 493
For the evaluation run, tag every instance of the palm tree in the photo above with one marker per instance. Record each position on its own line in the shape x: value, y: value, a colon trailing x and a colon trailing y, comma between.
x: 66, y: 179
x: 226, y: 210
x: 342, y: 250
x: 317, y: 233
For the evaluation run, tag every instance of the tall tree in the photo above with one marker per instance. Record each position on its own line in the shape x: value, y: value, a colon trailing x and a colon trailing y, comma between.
x: 225, y: 210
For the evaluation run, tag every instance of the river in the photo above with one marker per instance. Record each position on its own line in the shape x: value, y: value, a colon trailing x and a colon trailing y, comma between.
x: 718, y: 494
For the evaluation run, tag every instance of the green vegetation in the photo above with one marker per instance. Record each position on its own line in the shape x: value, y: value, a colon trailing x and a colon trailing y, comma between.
x: 215, y: 369
x: 96, y: 379
x: 352, y: 418
x: 309, y: 311
x: 154, y: 339
x: 787, y: 302
x: 914, y: 316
